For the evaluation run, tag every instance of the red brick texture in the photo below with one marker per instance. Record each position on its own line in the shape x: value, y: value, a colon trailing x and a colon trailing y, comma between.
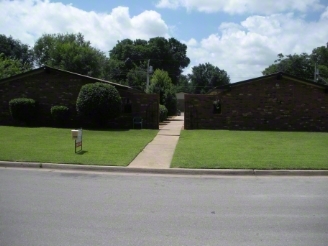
x: 51, y: 87
x: 263, y: 104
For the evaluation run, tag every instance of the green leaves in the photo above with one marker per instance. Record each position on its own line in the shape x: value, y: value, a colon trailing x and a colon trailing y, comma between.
x: 14, y: 49
x: 162, y: 112
x: 10, y: 67
x: 205, y: 77
x: 60, y: 115
x: 23, y: 109
x: 15, y: 57
x: 302, y: 65
x: 98, y: 103
x: 161, y: 84
x: 165, y: 54
x: 70, y: 52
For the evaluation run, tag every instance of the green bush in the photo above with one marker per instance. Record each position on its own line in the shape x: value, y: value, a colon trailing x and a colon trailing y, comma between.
x: 60, y: 115
x: 23, y: 109
x: 162, y: 112
x: 98, y: 103
x: 171, y: 103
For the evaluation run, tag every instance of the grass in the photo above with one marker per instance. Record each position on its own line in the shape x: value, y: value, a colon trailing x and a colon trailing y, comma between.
x: 251, y: 150
x: 54, y: 145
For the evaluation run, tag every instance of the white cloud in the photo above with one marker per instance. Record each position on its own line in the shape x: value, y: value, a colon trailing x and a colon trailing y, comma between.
x: 324, y: 15
x: 27, y: 20
x: 244, y: 50
x: 170, y: 4
x: 242, y: 6
x: 192, y: 42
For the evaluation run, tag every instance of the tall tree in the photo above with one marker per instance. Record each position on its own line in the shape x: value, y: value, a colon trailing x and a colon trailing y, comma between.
x: 297, y: 65
x: 166, y: 54
x: 206, y: 76
x: 10, y: 67
x: 70, y: 52
x: 137, y: 78
x: 115, y: 71
x: 303, y: 65
x: 320, y: 57
x: 14, y: 49
x: 161, y: 84
x: 184, y: 84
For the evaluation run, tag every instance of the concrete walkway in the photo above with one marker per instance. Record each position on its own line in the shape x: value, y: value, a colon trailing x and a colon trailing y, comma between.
x: 159, y: 152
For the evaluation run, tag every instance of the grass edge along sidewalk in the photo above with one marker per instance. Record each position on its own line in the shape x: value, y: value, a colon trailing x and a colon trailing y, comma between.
x: 263, y: 150
x: 55, y: 145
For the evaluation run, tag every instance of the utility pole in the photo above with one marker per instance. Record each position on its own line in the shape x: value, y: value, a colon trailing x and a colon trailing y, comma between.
x: 316, y: 73
x: 149, y: 71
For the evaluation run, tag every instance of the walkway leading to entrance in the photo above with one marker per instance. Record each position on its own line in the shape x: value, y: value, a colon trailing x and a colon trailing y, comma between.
x: 159, y: 152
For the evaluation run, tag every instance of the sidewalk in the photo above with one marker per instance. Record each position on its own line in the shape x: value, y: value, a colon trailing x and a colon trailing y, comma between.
x: 159, y: 152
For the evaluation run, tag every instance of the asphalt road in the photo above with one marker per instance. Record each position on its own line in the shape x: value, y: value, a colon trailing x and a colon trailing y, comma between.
x: 39, y: 207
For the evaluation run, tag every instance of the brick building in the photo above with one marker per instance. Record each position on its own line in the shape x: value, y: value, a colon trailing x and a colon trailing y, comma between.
x: 274, y: 102
x: 50, y: 87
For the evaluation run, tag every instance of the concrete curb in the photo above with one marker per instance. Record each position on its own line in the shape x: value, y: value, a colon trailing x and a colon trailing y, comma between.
x: 178, y: 171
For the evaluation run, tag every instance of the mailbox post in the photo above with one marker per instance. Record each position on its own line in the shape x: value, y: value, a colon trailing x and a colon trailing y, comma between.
x: 77, y: 136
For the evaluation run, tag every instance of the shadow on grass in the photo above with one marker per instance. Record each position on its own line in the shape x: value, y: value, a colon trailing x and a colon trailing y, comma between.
x: 81, y: 152
x: 107, y: 129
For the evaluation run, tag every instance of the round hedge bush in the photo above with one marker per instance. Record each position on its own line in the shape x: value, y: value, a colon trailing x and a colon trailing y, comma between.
x: 98, y: 103
x: 23, y: 109
x: 162, y: 112
x: 60, y: 115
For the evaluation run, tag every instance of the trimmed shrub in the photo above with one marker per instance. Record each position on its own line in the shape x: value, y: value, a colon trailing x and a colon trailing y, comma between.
x: 98, y: 103
x: 60, y: 115
x: 162, y: 113
x: 23, y: 109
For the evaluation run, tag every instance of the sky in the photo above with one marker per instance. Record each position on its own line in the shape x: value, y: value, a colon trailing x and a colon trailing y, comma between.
x: 243, y: 37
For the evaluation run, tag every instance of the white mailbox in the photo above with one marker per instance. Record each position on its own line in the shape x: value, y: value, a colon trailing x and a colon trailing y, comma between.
x: 75, y: 134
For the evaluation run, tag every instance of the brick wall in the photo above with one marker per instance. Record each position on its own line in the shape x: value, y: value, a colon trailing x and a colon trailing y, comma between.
x: 267, y: 104
x: 54, y: 87
x: 147, y: 107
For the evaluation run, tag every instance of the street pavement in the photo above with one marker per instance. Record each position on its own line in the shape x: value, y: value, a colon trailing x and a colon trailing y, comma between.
x: 53, y: 207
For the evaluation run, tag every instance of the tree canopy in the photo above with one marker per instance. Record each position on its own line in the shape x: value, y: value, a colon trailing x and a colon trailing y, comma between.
x: 184, y: 84
x: 15, y: 57
x: 14, y: 49
x: 302, y: 65
x: 161, y: 84
x: 165, y: 54
x: 10, y: 67
x: 205, y: 77
x: 69, y: 52
x: 127, y: 63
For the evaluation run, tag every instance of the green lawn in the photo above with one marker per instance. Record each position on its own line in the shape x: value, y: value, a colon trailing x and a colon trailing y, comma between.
x: 251, y: 150
x: 115, y: 148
